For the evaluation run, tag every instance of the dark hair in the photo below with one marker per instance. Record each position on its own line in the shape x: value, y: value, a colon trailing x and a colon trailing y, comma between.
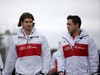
x: 23, y: 16
x: 75, y: 19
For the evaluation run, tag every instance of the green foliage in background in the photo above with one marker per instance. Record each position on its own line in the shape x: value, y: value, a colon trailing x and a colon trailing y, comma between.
x: 53, y: 50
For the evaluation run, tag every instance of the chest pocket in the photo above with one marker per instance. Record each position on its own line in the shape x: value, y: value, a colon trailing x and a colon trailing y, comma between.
x: 34, y: 40
x: 31, y: 40
x: 21, y: 41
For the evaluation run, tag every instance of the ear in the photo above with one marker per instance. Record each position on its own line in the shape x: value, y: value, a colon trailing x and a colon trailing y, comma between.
x: 33, y: 24
x: 77, y: 25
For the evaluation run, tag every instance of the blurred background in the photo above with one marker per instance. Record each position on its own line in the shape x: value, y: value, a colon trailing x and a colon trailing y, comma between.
x: 50, y: 19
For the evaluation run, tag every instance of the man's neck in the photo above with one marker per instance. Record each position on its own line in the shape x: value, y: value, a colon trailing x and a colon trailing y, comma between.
x: 76, y: 33
x: 27, y: 32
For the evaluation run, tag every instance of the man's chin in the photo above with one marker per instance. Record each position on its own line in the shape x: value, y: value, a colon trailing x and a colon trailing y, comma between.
x: 29, y: 29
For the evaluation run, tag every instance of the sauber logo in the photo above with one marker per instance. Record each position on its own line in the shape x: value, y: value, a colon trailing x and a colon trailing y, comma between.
x: 77, y: 47
x: 78, y: 50
x: 28, y: 50
x: 26, y: 47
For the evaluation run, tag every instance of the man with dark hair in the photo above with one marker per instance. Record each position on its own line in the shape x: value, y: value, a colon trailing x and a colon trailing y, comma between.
x: 29, y: 51
x: 78, y: 53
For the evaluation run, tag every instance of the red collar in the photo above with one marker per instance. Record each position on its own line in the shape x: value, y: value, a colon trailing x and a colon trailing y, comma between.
x: 73, y: 37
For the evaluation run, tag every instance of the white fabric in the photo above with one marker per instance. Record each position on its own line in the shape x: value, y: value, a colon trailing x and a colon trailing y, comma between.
x: 78, y: 64
x: 1, y: 64
x: 54, y: 58
x: 29, y: 65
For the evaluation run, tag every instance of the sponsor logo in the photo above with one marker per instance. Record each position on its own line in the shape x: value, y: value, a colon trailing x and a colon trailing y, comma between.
x: 77, y: 47
x: 67, y: 48
x: 28, y: 50
x: 26, y: 47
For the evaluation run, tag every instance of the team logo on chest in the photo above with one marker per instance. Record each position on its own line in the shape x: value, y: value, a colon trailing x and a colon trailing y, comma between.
x: 28, y: 50
x: 78, y: 47
x: 27, y: 47
x: 66, y: 48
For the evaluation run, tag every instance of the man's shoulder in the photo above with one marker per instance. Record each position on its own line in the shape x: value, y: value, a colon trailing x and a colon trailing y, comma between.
x: 15, y: 38
x: 40, y: 34
x: 35, y: 32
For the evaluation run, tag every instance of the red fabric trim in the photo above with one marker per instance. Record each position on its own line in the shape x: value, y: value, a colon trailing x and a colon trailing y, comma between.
x: 23, y: 34
x: 73, y: 37
x: 56, y: 66
x: 28, y: 50
x: 78, y: 50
